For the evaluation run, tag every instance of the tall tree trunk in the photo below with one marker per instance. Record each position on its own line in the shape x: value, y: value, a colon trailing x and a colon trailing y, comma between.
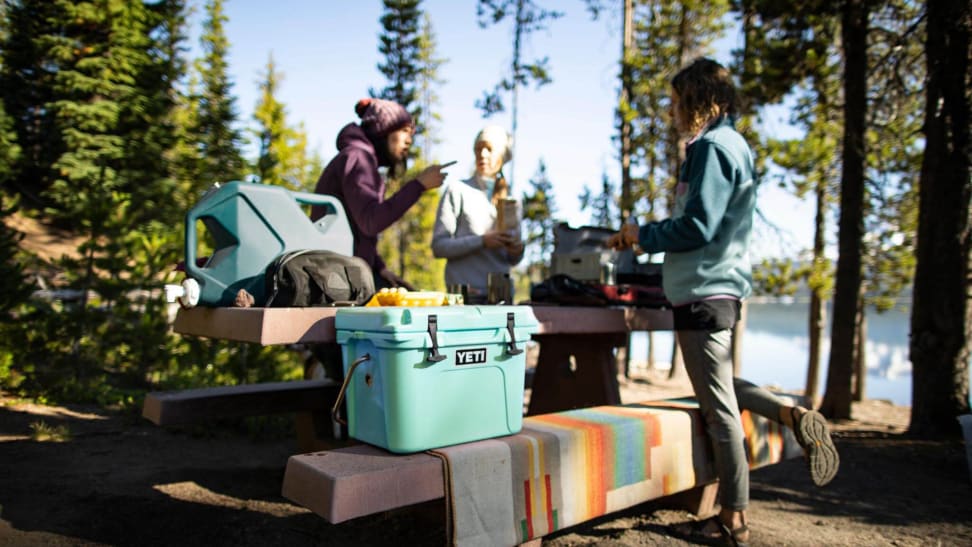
x: 626, y: 205
x: 651, y: 351
x: 627, y: 35
x: 676, y: 154
x: 837, y: 398
x: 622, y: 359
x: 941, y: 314
x: 517, y: 41
x: 815, y: 327
x: 860, y: 365
x: 818, y: 305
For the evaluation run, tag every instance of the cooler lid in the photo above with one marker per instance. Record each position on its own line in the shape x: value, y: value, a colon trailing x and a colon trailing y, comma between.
x: 448, y: 318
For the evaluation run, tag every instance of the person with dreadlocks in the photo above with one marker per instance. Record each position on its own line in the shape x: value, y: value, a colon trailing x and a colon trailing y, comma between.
x: 466, y: 232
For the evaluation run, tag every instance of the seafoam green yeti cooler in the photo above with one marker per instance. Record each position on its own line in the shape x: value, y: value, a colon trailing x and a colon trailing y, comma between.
x: 425, y: 377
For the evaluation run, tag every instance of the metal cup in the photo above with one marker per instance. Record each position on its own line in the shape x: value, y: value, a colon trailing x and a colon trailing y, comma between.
x: 460, y: 289
x: 499, y: 288
x: 608, y: 276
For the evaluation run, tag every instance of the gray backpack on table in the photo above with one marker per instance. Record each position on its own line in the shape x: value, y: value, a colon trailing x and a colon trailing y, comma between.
x: 309, y: 278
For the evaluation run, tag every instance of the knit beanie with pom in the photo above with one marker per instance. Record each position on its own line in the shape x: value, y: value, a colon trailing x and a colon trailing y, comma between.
x: 380, y: 117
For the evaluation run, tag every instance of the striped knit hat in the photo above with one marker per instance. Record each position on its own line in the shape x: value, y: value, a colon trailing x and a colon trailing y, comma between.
x: 380, y: 117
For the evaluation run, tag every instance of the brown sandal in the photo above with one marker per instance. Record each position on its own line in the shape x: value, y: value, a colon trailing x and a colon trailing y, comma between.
x: 710, y: 531
x: 813, y: 434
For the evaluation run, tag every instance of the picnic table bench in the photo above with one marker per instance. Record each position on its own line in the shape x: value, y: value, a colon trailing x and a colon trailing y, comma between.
x: 562, y: 469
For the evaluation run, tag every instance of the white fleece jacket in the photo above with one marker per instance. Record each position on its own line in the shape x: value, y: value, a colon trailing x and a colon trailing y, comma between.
x: 465, y: 213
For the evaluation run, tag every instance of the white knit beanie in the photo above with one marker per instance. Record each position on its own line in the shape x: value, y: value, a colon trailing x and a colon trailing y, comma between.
x: 499, y: 141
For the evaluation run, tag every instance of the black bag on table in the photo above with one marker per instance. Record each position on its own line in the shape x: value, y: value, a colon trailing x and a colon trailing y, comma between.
x: 309, y: 278
x: 565, y: 290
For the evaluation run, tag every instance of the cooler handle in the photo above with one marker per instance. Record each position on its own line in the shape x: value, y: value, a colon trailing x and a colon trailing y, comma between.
x: 336, y: 410
x: 510, y: 323
x: 434, y: 355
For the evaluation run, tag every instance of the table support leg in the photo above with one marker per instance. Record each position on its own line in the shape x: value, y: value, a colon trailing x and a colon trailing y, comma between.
x: 701, y: 501
x: 575, y: 371
x: 316, y: 429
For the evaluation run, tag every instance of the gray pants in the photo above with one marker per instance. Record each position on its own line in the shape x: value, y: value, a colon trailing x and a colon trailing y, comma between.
x: 708, y: 362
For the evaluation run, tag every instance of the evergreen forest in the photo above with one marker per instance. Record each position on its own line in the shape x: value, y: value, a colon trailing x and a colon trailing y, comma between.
x: 110, y: 132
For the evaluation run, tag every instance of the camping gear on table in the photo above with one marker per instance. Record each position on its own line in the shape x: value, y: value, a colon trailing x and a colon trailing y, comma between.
x: 585, y: 272
x: 400, y: 296
x: 318, y: 278
x: 425, y: 377
x: 499, y: 288
x: 251, y: 225
x: 581, y: 254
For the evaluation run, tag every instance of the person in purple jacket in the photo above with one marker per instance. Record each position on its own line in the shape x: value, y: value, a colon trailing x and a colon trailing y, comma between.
x: 382, y: 139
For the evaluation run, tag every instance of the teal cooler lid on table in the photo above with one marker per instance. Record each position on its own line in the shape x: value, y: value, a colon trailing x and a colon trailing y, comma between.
x: 414, y: 393
x: 400, y: 324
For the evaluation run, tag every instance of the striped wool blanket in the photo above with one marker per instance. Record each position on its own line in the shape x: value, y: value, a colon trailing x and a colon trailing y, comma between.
x: 569, y: 467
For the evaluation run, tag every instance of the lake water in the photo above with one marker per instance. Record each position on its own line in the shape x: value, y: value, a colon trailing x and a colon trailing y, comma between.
x: 775, y: 350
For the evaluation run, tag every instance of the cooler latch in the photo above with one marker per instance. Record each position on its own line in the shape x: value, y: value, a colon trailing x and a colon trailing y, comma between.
x: 434, y: 355
x: 510, y: 323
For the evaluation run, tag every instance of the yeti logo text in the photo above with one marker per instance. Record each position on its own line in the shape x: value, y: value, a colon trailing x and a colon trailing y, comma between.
x: 470, y: 356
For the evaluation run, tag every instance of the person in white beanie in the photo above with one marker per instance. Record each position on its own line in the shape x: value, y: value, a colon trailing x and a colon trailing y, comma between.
x: 465, y: 232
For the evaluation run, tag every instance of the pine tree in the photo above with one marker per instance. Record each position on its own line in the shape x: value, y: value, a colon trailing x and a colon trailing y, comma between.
x: 185, y: 159
x: 666, y: 37
x: 9, y: 149
x: 405, y: 246
x: 26, y: 89
x: 151, y: 123
x: 13, y: 285
x: 312, y: 171
x: 602, y: 205
x: 527, y: 17
x: 282, y: 158
x: 220, y: 142
x: 941, y: 317
x: 428, y: 98
x: 811, y: 163
x: 894, y: 148
x: 795, y: 46
x: 400, y: 45
x: 90, y: 101
x: 539, y: 220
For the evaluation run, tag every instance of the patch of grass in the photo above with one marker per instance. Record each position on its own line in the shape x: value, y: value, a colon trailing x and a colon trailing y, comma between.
x: 42, y: 432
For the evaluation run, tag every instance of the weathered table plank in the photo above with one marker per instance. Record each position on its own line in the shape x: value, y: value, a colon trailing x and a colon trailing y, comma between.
x: 193, y: 405
x: 270, y: 326
x: 360, y: 480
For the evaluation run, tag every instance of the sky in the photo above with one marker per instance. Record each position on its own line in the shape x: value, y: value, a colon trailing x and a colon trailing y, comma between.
x: 327, y: 51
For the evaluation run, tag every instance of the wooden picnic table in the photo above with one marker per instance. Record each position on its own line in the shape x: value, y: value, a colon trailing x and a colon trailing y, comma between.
x: 576, y: 366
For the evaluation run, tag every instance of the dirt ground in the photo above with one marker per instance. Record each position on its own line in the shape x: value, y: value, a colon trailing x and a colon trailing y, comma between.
x: 119, y: 480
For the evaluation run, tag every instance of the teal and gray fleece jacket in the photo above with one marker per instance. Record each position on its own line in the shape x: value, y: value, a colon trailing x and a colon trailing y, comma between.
x: 706, y: 240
